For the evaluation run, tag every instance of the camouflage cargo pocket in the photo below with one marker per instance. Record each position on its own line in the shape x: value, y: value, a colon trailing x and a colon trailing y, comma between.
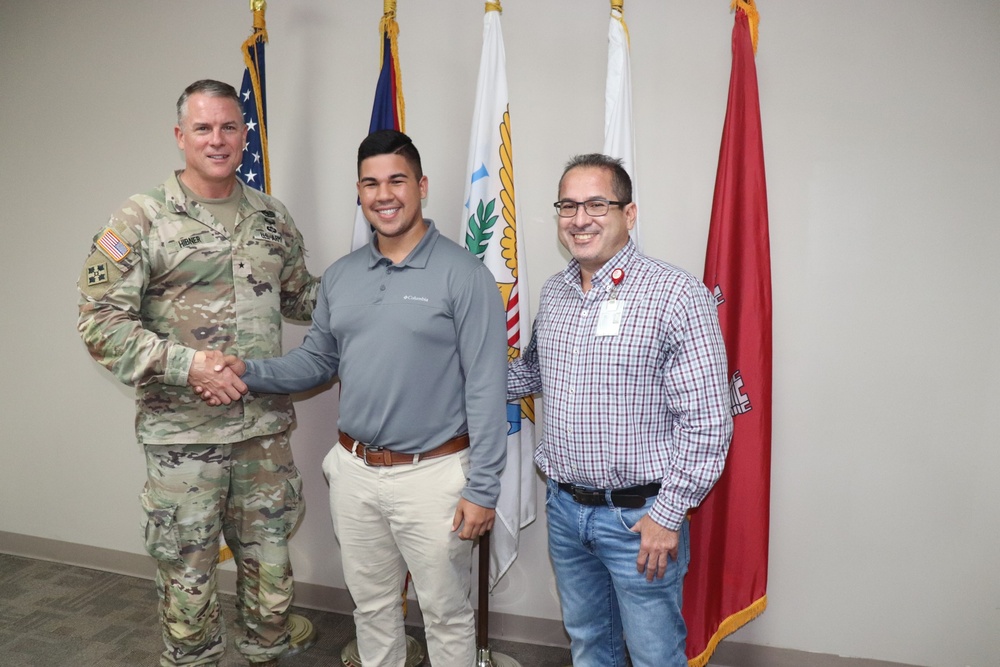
x: 159, y: 527
x: 294, y: 503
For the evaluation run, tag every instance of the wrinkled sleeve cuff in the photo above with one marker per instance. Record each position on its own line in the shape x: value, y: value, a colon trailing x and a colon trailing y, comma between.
x: 179, y: 359
x: 666, y: 516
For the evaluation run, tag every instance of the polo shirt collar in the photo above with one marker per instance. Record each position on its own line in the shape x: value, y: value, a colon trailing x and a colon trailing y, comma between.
x: 418, y: 257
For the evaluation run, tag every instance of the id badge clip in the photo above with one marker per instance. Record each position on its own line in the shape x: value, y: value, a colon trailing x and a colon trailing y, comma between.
x: 609, y: 319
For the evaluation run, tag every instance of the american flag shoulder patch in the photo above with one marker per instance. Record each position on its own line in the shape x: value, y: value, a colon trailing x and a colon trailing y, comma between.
x: 113, y: 246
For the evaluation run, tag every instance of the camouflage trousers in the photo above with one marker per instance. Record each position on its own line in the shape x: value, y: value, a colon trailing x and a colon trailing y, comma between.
x: 248, y: 491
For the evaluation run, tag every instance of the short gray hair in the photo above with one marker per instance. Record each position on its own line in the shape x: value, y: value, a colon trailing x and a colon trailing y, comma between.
x: 209, y: 87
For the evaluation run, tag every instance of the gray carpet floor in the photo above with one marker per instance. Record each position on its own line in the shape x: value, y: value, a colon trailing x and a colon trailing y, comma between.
x: 55, y: 615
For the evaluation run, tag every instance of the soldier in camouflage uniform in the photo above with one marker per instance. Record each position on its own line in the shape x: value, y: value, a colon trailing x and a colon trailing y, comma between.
x: 199, y: 263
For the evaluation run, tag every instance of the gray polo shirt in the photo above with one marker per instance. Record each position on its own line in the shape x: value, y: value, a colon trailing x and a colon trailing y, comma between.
x: 421, y: 351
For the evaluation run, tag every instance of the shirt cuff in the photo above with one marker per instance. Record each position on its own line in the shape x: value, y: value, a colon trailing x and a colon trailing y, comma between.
x: 179, y: 360
x: 667, y: 517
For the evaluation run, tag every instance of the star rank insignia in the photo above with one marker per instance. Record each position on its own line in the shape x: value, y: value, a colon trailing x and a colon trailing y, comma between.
x: 97, y: 273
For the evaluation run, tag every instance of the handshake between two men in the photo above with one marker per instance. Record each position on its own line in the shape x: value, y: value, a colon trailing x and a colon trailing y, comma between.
x: 215, y: 377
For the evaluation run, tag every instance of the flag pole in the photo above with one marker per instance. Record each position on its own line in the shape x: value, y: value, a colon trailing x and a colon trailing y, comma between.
x: 301, y: 631
x: 485, y: 657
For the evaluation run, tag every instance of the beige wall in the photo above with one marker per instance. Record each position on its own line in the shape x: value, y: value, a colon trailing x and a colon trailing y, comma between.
x: 882, y: 161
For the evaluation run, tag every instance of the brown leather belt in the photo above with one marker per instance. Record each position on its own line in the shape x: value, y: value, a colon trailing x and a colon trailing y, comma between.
x: 380, y: 456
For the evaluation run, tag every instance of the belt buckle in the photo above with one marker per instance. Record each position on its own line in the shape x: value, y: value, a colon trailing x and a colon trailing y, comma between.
x: 587, y: 496
x: 372, y: 448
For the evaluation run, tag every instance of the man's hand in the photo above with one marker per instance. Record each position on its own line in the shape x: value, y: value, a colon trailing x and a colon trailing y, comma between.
x: 656, y: 547
x: 474, y: 520
x: 216, y: 378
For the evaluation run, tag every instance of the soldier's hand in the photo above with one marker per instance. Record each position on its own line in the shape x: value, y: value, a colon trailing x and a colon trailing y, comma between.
x: 215, y: 380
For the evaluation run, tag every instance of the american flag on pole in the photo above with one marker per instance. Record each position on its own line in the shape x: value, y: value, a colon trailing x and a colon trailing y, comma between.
x: 619, y: 136
x: 388, y: 110
x: 491, y: 233
x: 255, y: 169
x: 726, y: 584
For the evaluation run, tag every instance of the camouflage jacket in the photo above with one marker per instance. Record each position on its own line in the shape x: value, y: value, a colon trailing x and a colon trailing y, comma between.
x: 164, y: 279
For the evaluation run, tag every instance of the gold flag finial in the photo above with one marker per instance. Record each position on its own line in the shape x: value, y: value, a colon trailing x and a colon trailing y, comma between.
x: 749, y: 7
x: 258, y: 7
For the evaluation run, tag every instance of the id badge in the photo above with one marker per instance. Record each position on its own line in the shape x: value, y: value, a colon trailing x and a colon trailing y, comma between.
x: 609, y: 320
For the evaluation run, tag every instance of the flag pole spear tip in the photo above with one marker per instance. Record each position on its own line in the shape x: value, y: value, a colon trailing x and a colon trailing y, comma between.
x: 258, y: 7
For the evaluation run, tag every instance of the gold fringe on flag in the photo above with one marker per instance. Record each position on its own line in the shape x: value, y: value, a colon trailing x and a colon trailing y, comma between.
x: 250, y: 60
x: 728, y: 627
x: 753, y: 17
x: 619, y: 7
x: 388, y: 26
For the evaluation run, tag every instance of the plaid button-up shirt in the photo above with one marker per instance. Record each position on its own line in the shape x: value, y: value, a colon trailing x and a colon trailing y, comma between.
x: 650, y: 404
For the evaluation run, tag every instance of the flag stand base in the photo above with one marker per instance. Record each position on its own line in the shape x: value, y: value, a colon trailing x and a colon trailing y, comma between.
x: 486, y: 658
x: 350, y: 657
x: 303, y: 634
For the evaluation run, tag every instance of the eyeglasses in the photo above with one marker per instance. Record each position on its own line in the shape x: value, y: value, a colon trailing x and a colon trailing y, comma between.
x: 595, y: 208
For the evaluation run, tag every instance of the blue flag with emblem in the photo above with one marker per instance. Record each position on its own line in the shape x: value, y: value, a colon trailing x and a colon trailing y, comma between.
x: 388, y: 110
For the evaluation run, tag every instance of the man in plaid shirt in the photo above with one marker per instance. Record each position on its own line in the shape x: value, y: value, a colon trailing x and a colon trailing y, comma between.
x: 629, y: 356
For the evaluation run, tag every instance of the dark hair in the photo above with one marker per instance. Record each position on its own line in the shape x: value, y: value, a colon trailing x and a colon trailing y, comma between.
x: 209, y: 87
x: 621, y: 183
x: 389, y: 142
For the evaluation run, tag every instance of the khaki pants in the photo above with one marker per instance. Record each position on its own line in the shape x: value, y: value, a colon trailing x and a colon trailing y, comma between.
x: 388, y: 520
x: 251, y: 492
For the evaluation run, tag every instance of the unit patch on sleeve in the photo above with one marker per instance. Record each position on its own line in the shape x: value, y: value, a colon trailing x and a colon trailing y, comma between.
x: 97, y: 273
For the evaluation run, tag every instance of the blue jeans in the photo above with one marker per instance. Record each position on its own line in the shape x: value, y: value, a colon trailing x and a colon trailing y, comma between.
x: 606, y: 602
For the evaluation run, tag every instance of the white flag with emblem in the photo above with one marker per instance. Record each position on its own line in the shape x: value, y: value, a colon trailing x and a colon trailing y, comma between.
x: 490, y: 232
x: 619, y: 137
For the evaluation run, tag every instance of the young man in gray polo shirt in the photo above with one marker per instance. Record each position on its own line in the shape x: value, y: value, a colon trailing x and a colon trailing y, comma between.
x: 414, y: 326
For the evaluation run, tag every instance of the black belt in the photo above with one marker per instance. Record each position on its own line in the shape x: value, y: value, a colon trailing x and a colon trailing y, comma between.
x: 632, y: 496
